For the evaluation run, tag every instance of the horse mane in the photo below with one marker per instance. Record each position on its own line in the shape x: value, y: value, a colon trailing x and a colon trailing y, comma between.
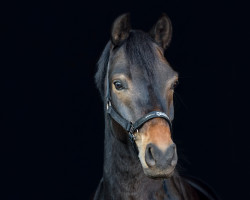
x: 102, y: 68
x: 140, y: 51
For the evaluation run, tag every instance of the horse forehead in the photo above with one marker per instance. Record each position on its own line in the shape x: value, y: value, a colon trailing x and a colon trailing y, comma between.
x: 151, y: 76
x: 149, y: 71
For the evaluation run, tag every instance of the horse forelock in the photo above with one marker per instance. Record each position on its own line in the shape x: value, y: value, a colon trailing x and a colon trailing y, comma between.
x: 141, y: 52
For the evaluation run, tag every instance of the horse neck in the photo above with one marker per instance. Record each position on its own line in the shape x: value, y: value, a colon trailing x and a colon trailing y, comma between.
x: 123, y: 174
x: 120, y: 158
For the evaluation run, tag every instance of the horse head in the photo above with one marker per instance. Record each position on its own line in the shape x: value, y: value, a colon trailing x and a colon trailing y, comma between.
x: 139, y: 80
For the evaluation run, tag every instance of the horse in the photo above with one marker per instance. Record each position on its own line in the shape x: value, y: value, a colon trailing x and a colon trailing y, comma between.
x: 137, y: 84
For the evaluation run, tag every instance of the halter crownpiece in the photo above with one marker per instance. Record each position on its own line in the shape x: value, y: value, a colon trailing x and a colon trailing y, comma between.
x: 129, y: 126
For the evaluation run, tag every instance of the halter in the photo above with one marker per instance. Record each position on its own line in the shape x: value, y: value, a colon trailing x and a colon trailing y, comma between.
x: 129, y: 126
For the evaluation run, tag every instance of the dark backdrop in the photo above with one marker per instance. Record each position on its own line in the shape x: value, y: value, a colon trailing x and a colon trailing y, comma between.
x: 53, y: 114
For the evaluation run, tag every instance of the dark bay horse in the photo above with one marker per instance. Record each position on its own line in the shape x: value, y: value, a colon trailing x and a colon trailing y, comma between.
x: 137, y: 85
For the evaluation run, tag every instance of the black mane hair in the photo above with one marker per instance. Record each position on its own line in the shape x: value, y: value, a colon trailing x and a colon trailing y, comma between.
x: 102, y: 68
x: 140, y: 51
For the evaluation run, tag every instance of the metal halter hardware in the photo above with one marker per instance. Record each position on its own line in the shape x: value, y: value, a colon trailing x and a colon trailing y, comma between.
x: 129, y: 126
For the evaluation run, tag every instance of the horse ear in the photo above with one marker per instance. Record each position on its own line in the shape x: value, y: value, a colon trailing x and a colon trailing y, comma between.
x: 162, y: 31
x: 120, y: 29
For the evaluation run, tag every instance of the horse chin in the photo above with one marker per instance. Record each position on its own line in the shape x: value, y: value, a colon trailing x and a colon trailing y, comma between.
x: 159, y: 174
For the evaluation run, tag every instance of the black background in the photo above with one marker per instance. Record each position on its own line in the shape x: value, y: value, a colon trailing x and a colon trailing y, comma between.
x: 53, y: 114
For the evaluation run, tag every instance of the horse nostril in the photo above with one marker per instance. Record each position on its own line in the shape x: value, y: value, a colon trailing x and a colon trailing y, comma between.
x: 174, y: 155
x: 149, y: 156
x: 150, y: 153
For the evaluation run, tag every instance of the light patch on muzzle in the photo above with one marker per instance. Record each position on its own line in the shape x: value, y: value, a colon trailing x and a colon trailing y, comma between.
x: 153, y: 142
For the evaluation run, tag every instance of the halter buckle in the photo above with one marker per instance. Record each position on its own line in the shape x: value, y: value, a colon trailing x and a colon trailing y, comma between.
x: 108, y: 104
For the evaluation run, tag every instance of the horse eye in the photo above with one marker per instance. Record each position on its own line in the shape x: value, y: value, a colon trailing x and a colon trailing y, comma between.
x: 118, y: 85
x: 173, y: 86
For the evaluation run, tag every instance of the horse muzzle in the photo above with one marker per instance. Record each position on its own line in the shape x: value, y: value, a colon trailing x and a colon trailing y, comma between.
x: 157, y: 152
x: 160, y: 164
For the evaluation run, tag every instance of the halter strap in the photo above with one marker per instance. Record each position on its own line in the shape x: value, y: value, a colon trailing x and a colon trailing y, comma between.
x: 128, y: 125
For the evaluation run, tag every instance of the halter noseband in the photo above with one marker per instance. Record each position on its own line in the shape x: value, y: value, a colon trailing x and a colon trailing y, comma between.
x: 129, y: 126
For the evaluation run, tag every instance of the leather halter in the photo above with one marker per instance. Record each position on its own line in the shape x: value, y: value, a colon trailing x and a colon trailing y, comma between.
x: 129, y: 126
